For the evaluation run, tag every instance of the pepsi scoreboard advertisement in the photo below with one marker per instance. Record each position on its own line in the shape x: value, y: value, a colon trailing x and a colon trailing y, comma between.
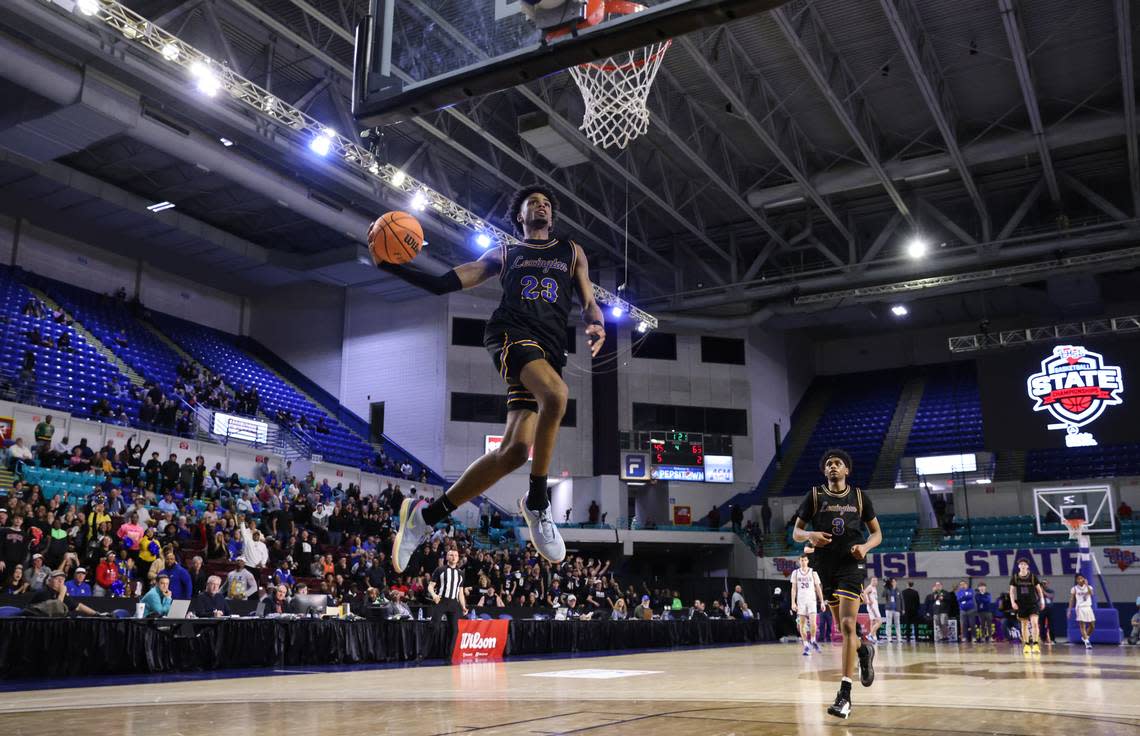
x: 1077, y: 393
x: 677, y: 456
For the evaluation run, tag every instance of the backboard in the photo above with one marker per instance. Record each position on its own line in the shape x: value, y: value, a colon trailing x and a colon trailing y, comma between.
x: 417, y: 56
x: 1094, y: 503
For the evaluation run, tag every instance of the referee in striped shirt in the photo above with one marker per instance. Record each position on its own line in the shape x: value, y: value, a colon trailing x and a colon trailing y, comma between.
x: 446, y: 589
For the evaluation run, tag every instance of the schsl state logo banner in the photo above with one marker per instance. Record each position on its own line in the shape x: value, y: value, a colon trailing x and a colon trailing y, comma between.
x: 979, y: 563
x: 1075, y: 386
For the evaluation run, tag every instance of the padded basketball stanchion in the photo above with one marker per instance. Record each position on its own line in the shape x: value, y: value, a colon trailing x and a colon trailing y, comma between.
x: 1107, y: 618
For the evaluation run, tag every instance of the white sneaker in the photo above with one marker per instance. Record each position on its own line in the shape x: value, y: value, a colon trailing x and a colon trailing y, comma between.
x: 545, y: 535
x: 413, y: 532
x: 1088, y: 644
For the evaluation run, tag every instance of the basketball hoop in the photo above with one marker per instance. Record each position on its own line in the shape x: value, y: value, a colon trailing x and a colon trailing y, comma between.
x: 1077, y: 526
x: 615, y: 90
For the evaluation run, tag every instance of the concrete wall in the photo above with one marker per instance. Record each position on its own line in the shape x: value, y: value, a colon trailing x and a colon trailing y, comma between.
x: 306, y: 329
x: 64, y: 259
x: 397, y: 353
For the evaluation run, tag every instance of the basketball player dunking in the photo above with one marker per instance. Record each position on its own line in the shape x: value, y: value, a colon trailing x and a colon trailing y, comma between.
x: 526, y: 337
x: 837, y: 513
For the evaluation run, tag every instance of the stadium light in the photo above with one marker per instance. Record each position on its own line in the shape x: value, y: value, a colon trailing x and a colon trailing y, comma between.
x: 160, y: 206
x: 483, y: 240
x: 916, y: 248
x: 205, y: 80
x: 617, y: 311
x: 900, y: 310
x: 419, y: 201
x: 299, y: 126
x: 643, y: 327
x: 321, y: 143
x: 225, y: 142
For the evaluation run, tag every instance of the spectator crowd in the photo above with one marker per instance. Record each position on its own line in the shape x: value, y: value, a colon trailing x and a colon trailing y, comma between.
x: 163, y: 530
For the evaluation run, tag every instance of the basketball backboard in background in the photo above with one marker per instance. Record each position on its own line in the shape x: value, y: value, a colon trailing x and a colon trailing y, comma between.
x: 417, y: 56
x: 1052, y: 506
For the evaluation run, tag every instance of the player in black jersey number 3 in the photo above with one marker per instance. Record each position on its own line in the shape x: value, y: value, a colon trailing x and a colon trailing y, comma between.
x: 837, y: 514
x: 526, y: 337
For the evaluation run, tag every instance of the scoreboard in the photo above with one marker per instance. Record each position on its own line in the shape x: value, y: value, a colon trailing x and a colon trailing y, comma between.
x: 677, y: 448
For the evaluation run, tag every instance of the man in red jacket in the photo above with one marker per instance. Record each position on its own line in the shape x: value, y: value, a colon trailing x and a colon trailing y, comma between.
x: 106, y: 575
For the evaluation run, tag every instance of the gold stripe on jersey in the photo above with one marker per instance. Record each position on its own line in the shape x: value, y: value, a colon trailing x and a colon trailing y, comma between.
x: 551, y: 244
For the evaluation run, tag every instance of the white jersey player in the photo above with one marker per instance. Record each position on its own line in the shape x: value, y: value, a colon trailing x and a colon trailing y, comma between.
x: 807, y: 601
x: 871, y: 599
x: 1081, y: 598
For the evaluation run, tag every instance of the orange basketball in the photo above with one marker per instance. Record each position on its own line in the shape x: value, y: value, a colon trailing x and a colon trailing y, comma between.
x: 395, y: 237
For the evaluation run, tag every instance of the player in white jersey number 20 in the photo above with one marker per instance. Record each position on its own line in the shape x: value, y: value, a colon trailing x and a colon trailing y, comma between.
x: 807, y: 602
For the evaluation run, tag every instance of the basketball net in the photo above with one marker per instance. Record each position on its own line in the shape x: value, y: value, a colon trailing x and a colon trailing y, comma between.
x: 1077, y: 528
x: 615, y: 90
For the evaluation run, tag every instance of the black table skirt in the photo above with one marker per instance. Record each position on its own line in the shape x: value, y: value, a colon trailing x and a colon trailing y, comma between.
x: 38, y: 647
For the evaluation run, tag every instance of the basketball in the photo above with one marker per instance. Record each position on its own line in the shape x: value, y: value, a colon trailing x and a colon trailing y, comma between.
x: 1076, y: 404
x: 395, y: 237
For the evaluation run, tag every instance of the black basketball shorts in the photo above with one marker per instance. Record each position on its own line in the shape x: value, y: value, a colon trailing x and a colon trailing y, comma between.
x: 841, y: 577
x: 511, y: 349
x: 1027, y: 607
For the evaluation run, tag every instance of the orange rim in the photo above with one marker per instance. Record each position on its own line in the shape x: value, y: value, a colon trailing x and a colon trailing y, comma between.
x: 596, y: 12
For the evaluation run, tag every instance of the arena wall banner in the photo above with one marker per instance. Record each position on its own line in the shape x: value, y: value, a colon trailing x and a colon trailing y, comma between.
x: 480, y: 640
x: 980, y: 563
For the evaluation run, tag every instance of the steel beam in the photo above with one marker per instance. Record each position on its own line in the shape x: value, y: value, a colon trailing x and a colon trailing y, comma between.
x: 481, y: 131
x: 731, y: 89
x: 216, y: 27
x: 1016, y: 38
x: 955, y: 229
x: 1128, y: 92
x: 1095, y: 199
x: 924, y: 66
x: 664, y: 125
x: 1019, y: 250
x: 345, y: 72
x: 881, y: 240
x: 176, y: 12
x: 839, y: 90
x: 1022, y: 210
x: 570, y: 131
x: 995, y: 149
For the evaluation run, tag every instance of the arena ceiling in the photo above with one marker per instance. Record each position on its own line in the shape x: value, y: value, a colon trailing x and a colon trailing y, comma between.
x: 790, y: 155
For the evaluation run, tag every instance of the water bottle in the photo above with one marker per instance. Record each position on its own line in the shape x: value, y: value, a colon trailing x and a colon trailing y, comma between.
x: 420, y: 614
x: 347, y: 611
x: 140, y: 609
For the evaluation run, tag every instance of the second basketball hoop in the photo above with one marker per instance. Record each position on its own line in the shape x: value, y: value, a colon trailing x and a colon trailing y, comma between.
x: 615, y: 90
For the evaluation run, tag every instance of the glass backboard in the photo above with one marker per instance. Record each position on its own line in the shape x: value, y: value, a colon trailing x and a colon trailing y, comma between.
x: 1092, y: 503
x: 442, y: 52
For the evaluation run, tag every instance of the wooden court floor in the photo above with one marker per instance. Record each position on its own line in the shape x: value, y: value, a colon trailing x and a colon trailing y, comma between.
x: 734, y: 691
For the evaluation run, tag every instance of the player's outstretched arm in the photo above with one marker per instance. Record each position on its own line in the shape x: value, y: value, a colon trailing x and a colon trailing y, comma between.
x: 591, y: 312
x: 463, y: 276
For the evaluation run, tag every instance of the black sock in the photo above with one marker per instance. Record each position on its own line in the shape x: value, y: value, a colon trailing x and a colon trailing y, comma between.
x: 845, y: 686
x: 438, y: 510
x: 537, y: 498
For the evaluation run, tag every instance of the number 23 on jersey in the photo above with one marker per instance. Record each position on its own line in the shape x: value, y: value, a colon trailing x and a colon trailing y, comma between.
x: 546, y: 289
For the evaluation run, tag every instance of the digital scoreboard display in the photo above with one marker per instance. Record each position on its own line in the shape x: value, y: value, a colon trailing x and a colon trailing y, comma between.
x: 241, y: 428
x: 677, y: 449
